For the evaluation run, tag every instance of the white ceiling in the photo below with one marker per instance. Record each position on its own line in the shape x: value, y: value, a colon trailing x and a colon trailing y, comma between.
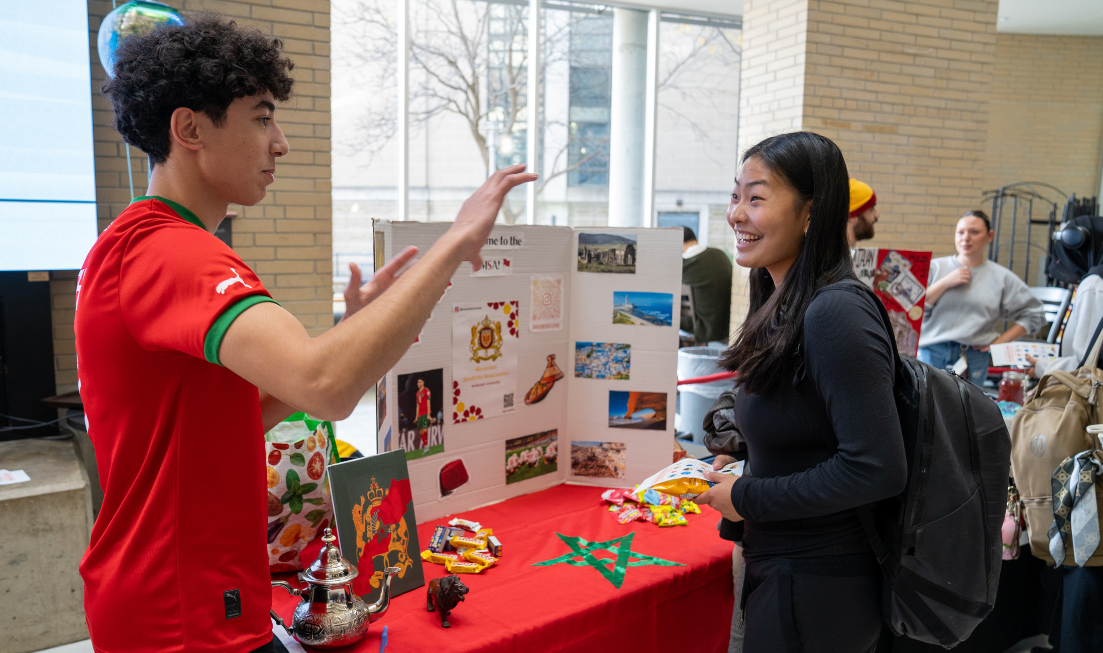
x: 1083, y: 17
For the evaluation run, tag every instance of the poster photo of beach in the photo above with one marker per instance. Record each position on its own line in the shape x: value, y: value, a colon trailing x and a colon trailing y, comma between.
x: 648, y: 308
x: 602, y: 360
x: 598, y: 459
x: 614, y: 253
x: 637, y: 410
x: 531, y: 456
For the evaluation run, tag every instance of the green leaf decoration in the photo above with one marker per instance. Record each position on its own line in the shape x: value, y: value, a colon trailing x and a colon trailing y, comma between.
x: 298, y: 459
x: 308, y: 488
x: 315, y: 500
x: 315, y: 517
x: 286, y: 497
x: 296, y: 504
x: 292, y: 481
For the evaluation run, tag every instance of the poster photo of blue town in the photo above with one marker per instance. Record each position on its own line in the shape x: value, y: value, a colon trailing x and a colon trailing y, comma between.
x: 602, y: 360
x: 654, y: 308
x: 615, y: 253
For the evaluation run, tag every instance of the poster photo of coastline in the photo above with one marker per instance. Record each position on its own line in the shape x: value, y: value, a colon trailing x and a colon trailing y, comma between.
x: 420, y: 413
x: 653, y: 308
x: 607, y: 253
x: 602, y: 360
x: 598, y: 459
x: 532, y: 455
x: 637, y: 410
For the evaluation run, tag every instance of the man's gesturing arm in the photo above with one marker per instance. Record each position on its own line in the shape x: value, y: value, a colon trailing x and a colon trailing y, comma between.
x: 327, y: 375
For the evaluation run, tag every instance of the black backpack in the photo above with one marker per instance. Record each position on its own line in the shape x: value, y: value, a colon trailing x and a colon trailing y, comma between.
x: 939, y: 541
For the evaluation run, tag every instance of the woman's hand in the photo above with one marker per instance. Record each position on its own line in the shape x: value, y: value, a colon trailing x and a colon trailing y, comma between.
x: 357, y: 296
x: 958, y: 277
x: 719, y: 496
x: 721, y: 461
x: 1033, y: 371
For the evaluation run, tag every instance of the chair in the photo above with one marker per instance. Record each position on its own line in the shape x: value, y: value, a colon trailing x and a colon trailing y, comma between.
x: 1056, y: 302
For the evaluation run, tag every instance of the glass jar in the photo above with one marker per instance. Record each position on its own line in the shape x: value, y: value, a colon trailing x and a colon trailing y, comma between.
x: 1011, y: 387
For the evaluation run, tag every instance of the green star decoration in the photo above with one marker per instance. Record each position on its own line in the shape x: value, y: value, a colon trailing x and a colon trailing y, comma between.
x: 621, y: 546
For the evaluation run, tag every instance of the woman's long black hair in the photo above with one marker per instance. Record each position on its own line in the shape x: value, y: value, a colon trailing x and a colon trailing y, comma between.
x: 814, y: 167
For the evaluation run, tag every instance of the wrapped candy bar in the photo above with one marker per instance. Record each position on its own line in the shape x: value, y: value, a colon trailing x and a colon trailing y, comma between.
x: 440, y: 558
x: 483, y: 533
x: 494, y: 546
x: 463, y: 567
x: 461, y: 542
x: 465, y: 524
x: 440, y: 540
x: 479, y: 557
x: 685, y: 478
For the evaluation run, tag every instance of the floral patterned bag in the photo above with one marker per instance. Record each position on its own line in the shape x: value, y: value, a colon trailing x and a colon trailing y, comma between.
x: 299, y: 451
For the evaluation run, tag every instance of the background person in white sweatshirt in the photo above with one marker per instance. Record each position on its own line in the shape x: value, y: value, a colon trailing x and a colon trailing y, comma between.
x: 967, y: 295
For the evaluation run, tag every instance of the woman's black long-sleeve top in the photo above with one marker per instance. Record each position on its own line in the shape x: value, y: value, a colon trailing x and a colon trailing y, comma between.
x: 826, y: 442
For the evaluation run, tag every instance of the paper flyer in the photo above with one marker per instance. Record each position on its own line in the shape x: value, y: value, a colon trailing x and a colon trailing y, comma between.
x: 1013, y: 354
x: 899, y: 278
x: 547, y: 303
x: 485, y: 344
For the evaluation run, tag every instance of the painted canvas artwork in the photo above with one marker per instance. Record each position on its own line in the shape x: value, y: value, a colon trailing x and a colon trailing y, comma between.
x: 647, y: 308
x: 376, y: 527
x: 421, y: 413
x: 614, y: 253
x: 602, y: 360
x: 637, y: 410
x: 598, y: 459
x: 532, y: 455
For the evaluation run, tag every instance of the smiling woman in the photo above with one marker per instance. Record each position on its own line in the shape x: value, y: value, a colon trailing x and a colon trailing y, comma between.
x: 816, y: 407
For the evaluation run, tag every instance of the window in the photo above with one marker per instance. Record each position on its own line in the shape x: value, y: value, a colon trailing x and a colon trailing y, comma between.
x: 591, y: 59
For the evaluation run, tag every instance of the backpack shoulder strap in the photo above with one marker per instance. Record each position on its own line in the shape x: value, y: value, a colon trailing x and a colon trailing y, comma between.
x: 854, y: 285
x: 1093, y: 352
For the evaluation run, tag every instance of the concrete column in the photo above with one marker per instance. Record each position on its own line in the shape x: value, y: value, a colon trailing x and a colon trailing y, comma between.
x: 627, y: 123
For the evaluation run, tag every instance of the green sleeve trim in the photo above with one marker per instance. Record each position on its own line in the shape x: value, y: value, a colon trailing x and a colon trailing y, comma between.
x: 218, y: 330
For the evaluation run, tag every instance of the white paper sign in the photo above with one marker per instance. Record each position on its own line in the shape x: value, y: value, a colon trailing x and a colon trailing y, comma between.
x: 504, y: 241
x: 495, y: 266
x: 547, y: 303
x: 485, y: 343
x: 14, y: 476
x: 1015, y: 353
x: 865, y: 262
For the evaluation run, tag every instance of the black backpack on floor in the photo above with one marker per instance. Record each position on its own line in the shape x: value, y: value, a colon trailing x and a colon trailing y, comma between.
x: 939, y: 541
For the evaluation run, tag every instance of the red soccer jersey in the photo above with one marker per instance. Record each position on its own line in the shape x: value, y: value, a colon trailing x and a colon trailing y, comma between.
x: 177, y: 560
x: 422, y: 397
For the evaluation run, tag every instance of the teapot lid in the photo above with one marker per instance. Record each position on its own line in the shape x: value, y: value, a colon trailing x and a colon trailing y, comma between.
x: 330, y: 568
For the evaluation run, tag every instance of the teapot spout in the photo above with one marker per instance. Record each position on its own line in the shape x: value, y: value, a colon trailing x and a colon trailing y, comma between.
x: 379, y: 608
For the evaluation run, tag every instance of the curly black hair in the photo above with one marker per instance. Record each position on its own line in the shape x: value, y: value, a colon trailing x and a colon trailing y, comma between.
x: 203, y: 65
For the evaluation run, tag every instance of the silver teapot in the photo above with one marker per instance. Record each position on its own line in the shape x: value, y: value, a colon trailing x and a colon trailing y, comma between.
x: 331, y: 616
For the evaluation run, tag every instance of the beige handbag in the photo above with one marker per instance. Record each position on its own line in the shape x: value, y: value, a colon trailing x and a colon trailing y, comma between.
x: 1051, y: 427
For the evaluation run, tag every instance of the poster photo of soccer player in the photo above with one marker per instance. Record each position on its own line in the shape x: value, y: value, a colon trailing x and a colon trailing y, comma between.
x: 420, y: 413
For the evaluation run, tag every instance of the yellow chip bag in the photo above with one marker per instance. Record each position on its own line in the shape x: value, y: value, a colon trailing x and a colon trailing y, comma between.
x: 685, y: 478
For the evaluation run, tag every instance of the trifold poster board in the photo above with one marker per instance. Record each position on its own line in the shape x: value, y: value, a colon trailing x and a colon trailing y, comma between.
x: 557, y: 361
x: 899, y: 278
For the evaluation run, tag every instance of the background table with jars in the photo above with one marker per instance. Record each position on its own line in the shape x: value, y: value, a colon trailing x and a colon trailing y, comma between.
x: 569, y: 604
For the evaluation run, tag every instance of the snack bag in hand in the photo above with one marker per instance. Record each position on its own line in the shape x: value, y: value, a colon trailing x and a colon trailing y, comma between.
x: 299, y: 451
x: 685, y: 478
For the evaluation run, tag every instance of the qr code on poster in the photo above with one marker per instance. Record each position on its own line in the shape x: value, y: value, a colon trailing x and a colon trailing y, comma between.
x: 507, y: 401
x: 547, y: 303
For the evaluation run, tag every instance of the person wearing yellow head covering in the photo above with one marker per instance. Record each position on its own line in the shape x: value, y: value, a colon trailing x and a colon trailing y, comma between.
x: 863, y: 212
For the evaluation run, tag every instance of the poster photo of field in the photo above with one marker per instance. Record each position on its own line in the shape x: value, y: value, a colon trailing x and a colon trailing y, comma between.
x: 602, y: 360
x: 637, y: 410
x: 598, y: 459
x: 614, y: 253
x: 532, y: 455
x: 647, y: 308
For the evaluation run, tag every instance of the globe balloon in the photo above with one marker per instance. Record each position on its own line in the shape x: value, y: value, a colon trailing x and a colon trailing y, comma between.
x: 137, y: 17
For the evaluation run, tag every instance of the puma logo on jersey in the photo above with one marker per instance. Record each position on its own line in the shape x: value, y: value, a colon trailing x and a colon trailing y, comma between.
x: 223, y: 285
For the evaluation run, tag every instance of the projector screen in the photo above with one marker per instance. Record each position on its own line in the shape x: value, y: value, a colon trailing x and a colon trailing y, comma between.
x: 47, y: 165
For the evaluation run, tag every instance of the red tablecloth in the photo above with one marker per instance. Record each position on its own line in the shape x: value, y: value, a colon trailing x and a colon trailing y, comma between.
x: 516, y: 607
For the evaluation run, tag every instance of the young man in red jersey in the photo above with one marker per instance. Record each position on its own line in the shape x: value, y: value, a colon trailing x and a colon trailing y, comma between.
x: 185, y: 360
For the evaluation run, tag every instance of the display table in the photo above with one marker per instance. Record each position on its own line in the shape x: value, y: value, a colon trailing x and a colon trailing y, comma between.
x: 515, y: 606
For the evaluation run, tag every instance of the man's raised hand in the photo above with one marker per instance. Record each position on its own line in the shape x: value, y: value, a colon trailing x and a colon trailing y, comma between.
x: 357, y: 296
x: 477, y: 215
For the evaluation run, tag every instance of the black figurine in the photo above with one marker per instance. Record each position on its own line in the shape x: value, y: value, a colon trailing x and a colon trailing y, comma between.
x: 447, y: 592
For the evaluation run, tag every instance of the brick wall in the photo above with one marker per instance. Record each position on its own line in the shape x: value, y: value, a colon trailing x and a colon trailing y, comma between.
x: 286, y: 238
x: 1046, y: 112
x: 901, y: 87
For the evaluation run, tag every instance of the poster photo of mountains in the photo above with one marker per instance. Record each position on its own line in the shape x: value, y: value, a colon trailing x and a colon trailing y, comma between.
x: 605, y: 253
